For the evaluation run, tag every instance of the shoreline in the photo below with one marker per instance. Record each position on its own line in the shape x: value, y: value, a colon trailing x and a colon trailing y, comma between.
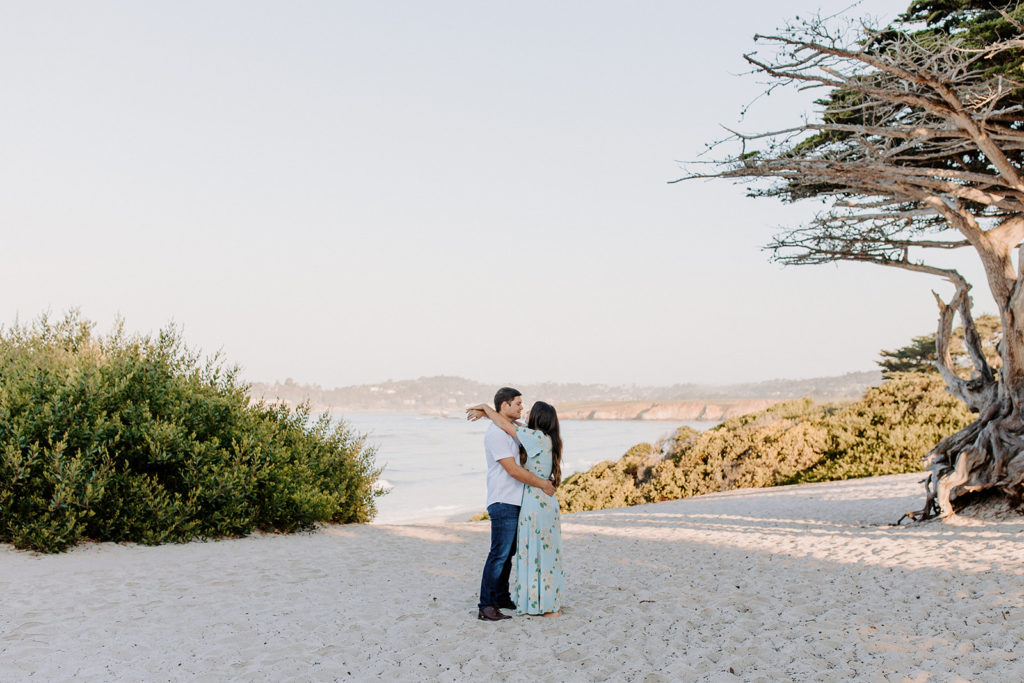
x: 804, y: 582
x: 435, y: 467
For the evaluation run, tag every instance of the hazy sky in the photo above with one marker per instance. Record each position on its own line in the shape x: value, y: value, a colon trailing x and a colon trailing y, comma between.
x: 346, y: 192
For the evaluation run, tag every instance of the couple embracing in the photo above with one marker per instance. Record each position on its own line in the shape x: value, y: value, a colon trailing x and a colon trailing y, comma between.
x: 523, y: 470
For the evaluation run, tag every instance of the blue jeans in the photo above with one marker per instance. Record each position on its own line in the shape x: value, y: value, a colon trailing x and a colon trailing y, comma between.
x: 494, y: 584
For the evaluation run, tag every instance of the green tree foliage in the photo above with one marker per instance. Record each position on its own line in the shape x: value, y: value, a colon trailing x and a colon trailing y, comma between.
x: 126, y: 438
x: 919, y: 355
x: 978, y: 24
x: 979, y: 21
x: 888, y: 431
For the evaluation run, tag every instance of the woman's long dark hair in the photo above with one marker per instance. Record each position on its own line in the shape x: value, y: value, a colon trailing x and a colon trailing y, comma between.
x: 544, y: 418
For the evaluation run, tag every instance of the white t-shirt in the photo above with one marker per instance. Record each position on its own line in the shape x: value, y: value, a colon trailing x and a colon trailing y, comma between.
x: 501, y: 487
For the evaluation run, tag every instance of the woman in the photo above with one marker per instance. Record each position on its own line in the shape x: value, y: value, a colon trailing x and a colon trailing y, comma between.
x: 539, y: 577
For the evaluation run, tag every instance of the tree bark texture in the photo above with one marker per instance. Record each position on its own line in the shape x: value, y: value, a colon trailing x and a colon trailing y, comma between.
x: 920, y: 147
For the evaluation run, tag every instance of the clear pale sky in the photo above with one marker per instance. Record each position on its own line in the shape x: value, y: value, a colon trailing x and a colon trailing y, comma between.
x: 346, y: 192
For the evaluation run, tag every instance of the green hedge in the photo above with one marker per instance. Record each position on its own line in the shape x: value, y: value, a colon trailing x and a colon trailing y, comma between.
x: 128, y: 438
x: 889, y: 431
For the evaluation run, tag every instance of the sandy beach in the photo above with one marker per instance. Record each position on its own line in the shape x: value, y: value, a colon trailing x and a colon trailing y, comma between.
x: 798, y: 583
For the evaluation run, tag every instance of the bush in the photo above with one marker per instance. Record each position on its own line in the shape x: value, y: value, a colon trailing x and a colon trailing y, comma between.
x: 128, y: 438
x: 889, y: 431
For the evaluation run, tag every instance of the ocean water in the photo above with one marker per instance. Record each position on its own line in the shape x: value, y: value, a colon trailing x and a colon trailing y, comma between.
x: 434, y: 467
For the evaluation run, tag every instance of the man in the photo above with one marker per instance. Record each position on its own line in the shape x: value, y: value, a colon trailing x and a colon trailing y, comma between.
x: 505, y: 480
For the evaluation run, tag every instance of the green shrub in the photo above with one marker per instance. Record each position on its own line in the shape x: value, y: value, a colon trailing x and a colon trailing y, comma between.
x: 889, y: 431
x: 127, y: 438
x: 610, y: 484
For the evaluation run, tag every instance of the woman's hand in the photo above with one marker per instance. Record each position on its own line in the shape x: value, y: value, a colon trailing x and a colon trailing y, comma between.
x: 477, y: 412
x: 483, y: 410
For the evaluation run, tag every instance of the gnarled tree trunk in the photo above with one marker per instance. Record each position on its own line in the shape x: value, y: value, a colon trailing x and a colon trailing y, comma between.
x: 989, y: 453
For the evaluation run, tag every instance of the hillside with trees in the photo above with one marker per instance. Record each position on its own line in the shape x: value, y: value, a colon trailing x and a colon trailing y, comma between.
x: 449, y: 395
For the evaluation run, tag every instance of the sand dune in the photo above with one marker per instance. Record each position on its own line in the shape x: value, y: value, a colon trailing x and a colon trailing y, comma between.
x: 801, y: 583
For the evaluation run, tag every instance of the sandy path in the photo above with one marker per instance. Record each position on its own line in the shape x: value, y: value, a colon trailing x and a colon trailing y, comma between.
x: 786, y: 583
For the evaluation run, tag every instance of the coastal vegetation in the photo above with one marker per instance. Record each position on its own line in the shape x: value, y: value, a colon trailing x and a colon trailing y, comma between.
x: 131, y: 438
x: 889, y: 430
x: 916, y: 153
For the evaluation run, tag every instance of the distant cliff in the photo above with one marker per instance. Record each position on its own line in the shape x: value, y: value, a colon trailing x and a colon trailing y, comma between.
x: 685, y: 411
x: 449, y: 395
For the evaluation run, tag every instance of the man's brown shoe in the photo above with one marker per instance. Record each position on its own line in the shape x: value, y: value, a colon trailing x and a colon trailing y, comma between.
x: 491, y: 614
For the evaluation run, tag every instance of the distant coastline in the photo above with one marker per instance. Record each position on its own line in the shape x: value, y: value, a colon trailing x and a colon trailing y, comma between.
x: 681, y: 411
x: 670, y: 411
x: 448, y: 396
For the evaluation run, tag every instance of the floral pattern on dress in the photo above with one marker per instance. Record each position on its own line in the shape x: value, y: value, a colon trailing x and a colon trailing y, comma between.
x: 540, y: 581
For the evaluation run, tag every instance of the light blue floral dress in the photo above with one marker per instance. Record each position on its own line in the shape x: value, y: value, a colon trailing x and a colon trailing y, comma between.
x: 540, y: 582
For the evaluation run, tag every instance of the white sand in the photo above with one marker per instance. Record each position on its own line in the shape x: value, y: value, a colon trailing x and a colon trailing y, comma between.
x: 795, y: 583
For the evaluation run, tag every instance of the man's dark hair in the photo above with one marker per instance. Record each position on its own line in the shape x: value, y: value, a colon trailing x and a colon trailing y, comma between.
x: 505, y: 395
